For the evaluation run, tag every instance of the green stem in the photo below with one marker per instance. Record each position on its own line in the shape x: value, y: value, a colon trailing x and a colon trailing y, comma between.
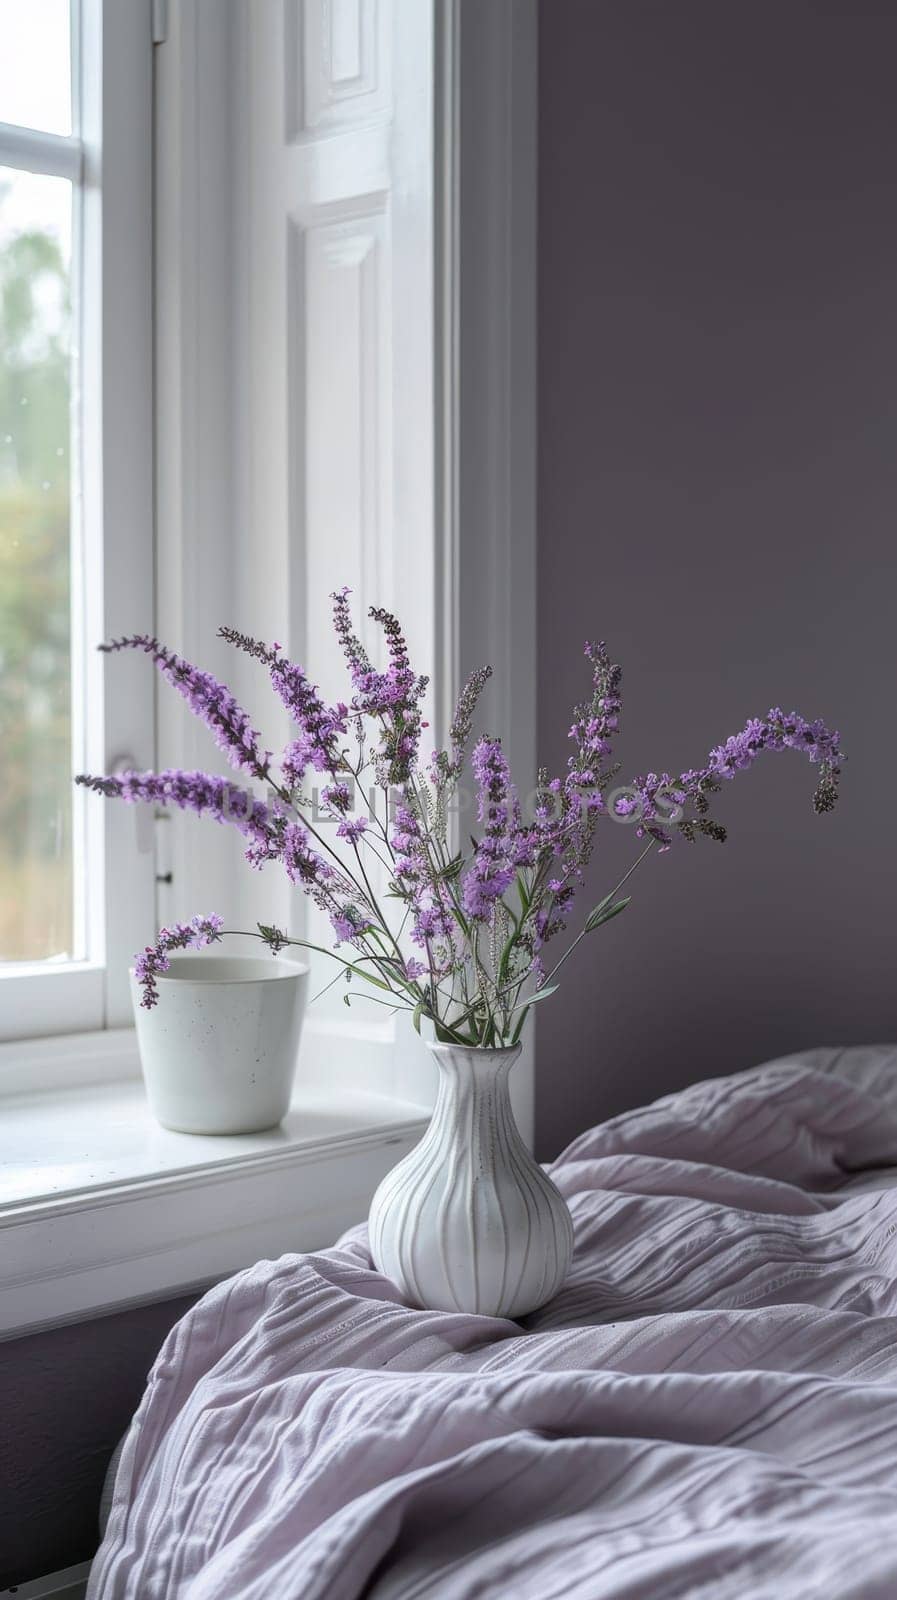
x: 570, y: 949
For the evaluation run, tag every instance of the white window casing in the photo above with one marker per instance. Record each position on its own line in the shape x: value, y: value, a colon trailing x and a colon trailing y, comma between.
x: 109, y: 159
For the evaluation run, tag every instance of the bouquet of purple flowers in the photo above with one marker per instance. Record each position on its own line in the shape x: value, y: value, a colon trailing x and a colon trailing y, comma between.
x: 460, y: 938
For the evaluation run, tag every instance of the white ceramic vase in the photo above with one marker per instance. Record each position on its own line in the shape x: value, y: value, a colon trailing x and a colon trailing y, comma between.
x: 219, y: 1049
x: 469, y: 1221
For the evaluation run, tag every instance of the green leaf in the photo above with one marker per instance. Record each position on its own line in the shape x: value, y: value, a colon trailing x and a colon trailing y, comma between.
x: 519, y: 1028
x: 533, y: 999
x: 416, y: 1017
x: 596, y: 910
x: 505, y: 960
x: 603, y: 912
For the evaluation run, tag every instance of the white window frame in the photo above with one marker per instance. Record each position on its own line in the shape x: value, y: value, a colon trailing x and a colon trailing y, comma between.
x: 115, y: 1242
x: 110, y: 157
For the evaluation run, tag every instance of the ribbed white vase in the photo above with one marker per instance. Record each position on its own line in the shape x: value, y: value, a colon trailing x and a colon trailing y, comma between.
x: 469, y: 1221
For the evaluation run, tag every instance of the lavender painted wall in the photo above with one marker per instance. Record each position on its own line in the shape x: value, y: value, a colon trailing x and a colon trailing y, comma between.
x: 66, y: 1397
x: 718, y: 488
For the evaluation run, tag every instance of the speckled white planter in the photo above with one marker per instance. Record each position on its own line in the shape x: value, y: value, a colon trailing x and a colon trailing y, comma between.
x: 219, y: 1050
x: 469, y: 1221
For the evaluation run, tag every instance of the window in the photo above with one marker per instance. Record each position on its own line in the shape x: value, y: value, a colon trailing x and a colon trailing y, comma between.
x: 75, y: 496
x: 237, y: 265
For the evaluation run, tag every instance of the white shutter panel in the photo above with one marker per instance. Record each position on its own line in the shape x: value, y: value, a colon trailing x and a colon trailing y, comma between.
x: 337, y: 278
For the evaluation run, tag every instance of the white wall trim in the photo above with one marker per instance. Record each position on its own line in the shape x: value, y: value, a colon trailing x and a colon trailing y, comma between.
x: 486, y: 162
x: 66, y: 1061
x: 103, y: 1247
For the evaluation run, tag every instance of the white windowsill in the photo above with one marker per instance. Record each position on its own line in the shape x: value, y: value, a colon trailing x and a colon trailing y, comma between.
x: 101, y: 1208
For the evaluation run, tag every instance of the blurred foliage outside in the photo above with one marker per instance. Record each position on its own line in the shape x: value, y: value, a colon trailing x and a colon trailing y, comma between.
x: 36, y: 920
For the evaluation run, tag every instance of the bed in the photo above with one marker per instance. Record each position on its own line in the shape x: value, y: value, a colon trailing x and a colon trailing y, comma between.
x: 708, y: 1408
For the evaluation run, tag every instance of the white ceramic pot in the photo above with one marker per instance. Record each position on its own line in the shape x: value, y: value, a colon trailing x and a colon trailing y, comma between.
x: 219, y: 1049
x: 469, y: 1221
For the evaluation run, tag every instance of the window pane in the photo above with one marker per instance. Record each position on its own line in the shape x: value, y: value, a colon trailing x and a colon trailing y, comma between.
x: 35, y: 64
x: 36, y: 912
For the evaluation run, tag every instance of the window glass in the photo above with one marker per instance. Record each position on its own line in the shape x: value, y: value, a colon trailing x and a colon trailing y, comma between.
x: 35, y: 64
x: 37, y: 914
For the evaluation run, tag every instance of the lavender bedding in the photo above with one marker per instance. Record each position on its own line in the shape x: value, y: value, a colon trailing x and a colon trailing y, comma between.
x: 708, y: 1408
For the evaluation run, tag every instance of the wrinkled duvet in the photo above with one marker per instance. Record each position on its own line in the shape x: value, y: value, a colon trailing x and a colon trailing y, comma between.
x: 708, y: 1408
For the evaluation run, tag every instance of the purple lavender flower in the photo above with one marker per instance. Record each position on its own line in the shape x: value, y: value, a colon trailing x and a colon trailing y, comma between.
x: 488, y: 946
x: 781, y: 731
x: 410, y: 861
x: 337, y: 797
x: 349, y: 924
x: 406, y: 834
x: 352, y: 828
x: 654, y: 801
x: 356, y: 656
x: 432, y: 928
x: 333, y: 892
x: 503, y: 842
x: 181, y: 936
x: 318, y: 744
x: 304, y: 865
x: 210, y: 700
x: 392, y: 698
x: 597, y: 720
x: 663, y: 804
x: 446, y: 766
x: 202, y: 792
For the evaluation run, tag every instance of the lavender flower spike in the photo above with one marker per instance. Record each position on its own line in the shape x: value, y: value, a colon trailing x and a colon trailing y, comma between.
x: 391, y: 698
x: 320, y: 725
x: 446, y: 767
x: 181, y: 936
x: 202, y: 792
x: 660, y: 802
x: 781, y: 731
x: 357, y: 658
x: 210, y: 700
x: 493, y: 871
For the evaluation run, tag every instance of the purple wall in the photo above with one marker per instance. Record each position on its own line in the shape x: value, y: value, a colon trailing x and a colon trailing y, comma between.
x: 66, y: 1398
x: 718, y: 488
